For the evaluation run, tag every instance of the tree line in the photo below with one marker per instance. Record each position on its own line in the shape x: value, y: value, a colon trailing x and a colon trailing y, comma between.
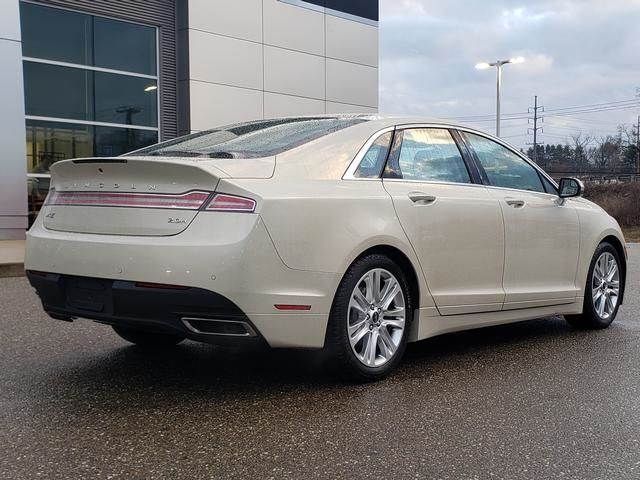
x: 586, y: 153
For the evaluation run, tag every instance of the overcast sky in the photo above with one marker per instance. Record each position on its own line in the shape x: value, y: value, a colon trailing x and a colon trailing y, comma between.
x: 578, y: 52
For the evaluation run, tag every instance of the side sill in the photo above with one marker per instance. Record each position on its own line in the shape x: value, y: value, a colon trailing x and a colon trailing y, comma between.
x: 432, y: 326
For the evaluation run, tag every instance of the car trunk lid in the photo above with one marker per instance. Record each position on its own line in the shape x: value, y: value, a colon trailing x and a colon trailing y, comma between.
x: 128, y: 196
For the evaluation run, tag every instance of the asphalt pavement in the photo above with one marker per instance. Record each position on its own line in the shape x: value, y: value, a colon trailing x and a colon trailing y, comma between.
x: 532, y: 400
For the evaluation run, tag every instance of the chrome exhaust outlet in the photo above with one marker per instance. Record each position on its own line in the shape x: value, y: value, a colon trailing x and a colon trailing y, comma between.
x: 211, y: 326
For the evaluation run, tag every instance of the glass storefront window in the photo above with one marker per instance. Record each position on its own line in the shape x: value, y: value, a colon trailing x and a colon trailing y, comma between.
x: 49, y: 142
x: 77, y: 94
x: 91, y: 89
x: 54, y: 91
x: 124, y: 46
x: 110, y: 141
x: 66, y: 36
x: 126, y: 100
x: 55, y: 34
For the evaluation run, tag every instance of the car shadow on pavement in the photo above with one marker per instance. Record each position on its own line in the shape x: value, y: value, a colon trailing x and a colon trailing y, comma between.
x: 218, y: 372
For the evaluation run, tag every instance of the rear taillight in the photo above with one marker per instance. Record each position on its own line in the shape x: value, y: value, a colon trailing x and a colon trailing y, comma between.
x: 231, y: 203
x: 184, y: 201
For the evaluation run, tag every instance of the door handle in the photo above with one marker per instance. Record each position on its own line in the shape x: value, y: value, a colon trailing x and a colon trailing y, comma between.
x: 515, y: 203
x: 421, y: 198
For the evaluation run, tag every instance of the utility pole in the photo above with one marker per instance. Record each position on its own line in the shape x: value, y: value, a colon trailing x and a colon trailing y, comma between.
x: 535, y: 128
x: 638, y: 146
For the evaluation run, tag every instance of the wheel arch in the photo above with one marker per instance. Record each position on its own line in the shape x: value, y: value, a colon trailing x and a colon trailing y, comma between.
x: 403, y: 261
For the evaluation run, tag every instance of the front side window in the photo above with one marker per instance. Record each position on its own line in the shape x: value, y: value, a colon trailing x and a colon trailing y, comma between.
x: 503, y: 167
x: 430, y: 154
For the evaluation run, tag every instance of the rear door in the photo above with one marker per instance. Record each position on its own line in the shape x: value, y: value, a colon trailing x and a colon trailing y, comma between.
x: 542, y: 233
x: 454, y: 225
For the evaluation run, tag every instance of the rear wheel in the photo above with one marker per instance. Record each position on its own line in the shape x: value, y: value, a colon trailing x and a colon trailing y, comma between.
x: 370, y: 319
x: 147, y: 339
x: 602, y: 291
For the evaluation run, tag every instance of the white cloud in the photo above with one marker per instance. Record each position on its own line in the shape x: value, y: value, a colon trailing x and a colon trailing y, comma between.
x: 577, y: 52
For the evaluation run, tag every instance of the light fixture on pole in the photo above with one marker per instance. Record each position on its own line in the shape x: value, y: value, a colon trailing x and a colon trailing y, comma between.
x: 498, y: 64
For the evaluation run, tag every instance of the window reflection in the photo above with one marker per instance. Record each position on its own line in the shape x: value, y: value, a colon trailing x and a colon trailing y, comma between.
x: 49, y: 142
x: 65, y: 36
x: 73, y: 93
x: 55, y: 34
x: 124, y: 46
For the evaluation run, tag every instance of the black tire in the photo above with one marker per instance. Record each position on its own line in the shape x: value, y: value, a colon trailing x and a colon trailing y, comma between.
x: 337, y: 344
x: 150, y: 340
x: 589, y: 318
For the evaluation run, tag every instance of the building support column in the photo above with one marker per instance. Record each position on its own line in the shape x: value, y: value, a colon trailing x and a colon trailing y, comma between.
x: 13, y: 164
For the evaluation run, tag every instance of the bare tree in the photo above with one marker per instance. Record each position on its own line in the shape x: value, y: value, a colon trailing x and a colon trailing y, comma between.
x: 580, y: 143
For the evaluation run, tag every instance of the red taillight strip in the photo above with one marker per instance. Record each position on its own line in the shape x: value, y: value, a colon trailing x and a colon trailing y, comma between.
x: 231, y: 203
x: 184, y: 201
x: 286, y: 306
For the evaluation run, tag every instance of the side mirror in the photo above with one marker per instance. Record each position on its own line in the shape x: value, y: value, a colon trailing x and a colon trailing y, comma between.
x: 570, y: 187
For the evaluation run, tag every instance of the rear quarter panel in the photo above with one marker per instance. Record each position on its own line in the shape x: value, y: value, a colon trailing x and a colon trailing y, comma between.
x: 324, y: 225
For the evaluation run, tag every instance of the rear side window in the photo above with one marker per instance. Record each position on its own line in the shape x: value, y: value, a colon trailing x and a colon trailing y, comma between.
x: 253, y: 139
x: 503, y: 167
x: 430, y: 154
x: 373, y: 161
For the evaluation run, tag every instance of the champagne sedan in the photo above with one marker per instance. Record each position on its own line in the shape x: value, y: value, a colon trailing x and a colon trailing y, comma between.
x: 353, y: 234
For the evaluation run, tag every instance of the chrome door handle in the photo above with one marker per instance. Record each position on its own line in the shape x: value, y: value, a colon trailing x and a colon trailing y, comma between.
x: 512, y: 202
x: 421, y: 198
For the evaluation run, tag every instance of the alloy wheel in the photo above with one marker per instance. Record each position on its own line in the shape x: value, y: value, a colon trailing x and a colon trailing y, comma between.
x: 376, y: 317
x: 605, y: 285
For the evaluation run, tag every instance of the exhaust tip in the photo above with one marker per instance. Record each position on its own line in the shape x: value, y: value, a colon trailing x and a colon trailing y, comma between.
x: 210, y: 326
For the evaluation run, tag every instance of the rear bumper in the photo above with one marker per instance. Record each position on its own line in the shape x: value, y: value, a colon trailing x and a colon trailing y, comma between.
x: 228, y: 256
x: 144, y: 307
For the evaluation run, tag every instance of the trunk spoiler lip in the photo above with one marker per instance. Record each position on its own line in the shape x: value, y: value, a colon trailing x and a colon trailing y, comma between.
x: 100, y: 160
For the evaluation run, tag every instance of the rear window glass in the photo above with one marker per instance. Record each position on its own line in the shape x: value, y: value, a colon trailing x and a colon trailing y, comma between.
x: 253, y: 139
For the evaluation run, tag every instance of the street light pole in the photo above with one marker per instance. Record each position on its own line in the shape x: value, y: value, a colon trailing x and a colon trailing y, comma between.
x: 498, y: 64
x: 498, y: 86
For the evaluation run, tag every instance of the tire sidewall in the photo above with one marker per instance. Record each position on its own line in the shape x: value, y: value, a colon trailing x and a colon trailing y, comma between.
x: 337, y: 340
x: 589, y: 308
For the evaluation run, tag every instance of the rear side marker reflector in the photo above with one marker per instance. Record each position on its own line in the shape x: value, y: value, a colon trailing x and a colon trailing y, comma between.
x: 231, y: 203
x: 160, y: 286
x: 292, y: 307
x: 185, y: 201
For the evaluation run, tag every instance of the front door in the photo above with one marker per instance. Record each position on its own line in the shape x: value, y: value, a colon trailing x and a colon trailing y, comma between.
x: 542, y: 233
x: 454, y: 225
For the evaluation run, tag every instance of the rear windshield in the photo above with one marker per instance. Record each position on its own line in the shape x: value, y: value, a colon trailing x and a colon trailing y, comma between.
x: 262, y: 138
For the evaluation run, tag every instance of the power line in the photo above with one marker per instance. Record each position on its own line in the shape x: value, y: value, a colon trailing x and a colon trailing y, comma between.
x: 633, y: 100
x: 557, y: 112
x: 579, y: 112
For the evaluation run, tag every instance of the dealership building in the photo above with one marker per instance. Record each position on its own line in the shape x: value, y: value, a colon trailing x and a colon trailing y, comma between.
x: 98, y: 78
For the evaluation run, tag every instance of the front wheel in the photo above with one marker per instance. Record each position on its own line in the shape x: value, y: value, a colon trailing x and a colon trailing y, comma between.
x: 370, y: 319
x: 147, y: 339
x: 602, y: 291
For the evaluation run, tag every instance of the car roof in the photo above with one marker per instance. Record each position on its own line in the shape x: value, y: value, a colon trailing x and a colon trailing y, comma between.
x: 382, y: 120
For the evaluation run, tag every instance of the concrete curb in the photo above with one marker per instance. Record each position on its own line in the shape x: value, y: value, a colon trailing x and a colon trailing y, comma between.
x: 12, y: 270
